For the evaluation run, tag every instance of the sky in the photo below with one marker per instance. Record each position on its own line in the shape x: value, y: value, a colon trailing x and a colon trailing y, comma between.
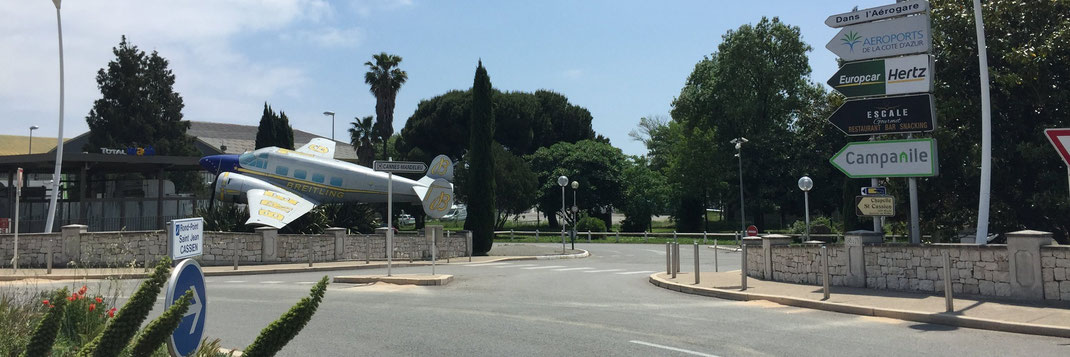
x: 622, y: 60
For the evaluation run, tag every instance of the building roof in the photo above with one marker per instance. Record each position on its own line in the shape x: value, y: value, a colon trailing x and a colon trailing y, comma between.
x: 241, y: 138
x: 20, y: 144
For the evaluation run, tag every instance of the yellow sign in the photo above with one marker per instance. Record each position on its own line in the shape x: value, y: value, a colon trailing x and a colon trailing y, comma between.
x: 875, y: 206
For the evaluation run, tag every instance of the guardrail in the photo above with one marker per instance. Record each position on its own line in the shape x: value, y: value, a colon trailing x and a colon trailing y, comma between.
x: 643, y: 237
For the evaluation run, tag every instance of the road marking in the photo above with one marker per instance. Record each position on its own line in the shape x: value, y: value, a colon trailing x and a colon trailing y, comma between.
x: 635, y: 272
x: 655, y: 251
x: 305, y: 282
x: 545, y: 267
x: 602, y: 271
x: 515, y: 266
x: 271, y: 282
x: 568, y: 269
x: 234, y: 281
x: 486, y: 264
x: 672, y: 348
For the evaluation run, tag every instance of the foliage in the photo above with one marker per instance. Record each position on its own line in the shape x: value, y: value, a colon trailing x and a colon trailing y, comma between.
x: 515, y: 184
x: 273, y: 337
x: 592, y: 224
x: 314, y: 221
x: 481, y: 207
x: 138, y: 106
x: 274, y: 130
x: 44, y: 335
x: 153, y: 336
x: 118, y: 331
x: 646, y: 193
x: 364, y: 136
x: 818, y: 225
x: 385, y: 79
x: 597, y: 166
x: 358, y: 217
x: 84, y: 317
x: 225, y: 217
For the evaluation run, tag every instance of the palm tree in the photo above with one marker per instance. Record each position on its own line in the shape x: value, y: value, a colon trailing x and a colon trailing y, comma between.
x: 363, y: 137
x: 385, y: 79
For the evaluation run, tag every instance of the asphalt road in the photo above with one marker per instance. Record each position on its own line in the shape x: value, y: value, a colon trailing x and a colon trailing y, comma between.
x: 597, y: 306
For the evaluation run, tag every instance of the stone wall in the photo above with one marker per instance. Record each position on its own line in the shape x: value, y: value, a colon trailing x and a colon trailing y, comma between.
x: 802, y: 264
x: 33, y: 248
x: 1055, y: 270
x: 977, y: 270
x: 755, y: 260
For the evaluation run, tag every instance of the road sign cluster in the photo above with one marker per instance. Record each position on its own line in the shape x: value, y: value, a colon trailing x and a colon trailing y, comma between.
x: 888, y: 79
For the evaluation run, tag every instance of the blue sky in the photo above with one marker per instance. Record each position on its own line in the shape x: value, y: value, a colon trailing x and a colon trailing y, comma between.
x: 621, y: 60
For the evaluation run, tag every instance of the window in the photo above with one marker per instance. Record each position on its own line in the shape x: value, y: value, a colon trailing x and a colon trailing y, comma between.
x: 317, y: 178
x: 336, y: 181
x: 246, y: 159
x: 282, y: 170
x: 262, y: 155
x: 300, y: 174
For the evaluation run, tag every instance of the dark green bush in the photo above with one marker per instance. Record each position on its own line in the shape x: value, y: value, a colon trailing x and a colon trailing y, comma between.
x: 154, y: 335
x: 44, y: 335
x: 590, y: 224
x: 280, y: 332
x: 121, y: 329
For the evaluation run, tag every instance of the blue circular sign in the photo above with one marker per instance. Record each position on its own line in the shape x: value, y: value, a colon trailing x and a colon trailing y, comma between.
x: 187, y: 337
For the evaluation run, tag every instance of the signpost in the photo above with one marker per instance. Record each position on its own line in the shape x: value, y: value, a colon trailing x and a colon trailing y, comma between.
x: 894, y: 37
x: 186, y: 338
x: 899, y: 75
x: 874, y: 206
x: 752, y: 231
x: 390, y: 167
x: 877, y: 13
x: 891, y: 158
x: 888, y: 115
x: 18, y: 195
x: 874, y: 191
x: 186, y: 238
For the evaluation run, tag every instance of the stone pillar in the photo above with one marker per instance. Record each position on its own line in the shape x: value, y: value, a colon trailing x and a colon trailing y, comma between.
x: 853, y: 241
x: 1023, y: 251
x: 339, y: 242
x: 752, y: 243
x: 72, y: 242
x: 768, y: 241
x: 468, y: 242
x: 269, y: 244
x: 436, y: 231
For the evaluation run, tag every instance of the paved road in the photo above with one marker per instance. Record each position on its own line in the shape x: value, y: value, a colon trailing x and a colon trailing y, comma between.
x: 602, y: 305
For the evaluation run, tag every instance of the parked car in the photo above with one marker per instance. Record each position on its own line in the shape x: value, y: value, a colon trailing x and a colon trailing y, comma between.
x: 456, y: 213
x: 406, y: 219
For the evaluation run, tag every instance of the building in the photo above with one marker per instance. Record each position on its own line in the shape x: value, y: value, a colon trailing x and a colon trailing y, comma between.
x: 127, y: 188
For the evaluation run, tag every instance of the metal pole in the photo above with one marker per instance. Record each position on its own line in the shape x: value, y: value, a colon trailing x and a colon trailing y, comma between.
x: 237, y: 250
x: 742, y: 207
x: 536, y: 236
x: 563, y: 214
x: 986, y: 129
x: 434, y: 250
x: 15, y: 258
x: 389, y: 221
x: 48, y: 265
x: 675, y: 259
x: 716, y: 267
x: 743, y: 266
x: 703, y: 237
x: 310, y: 251
x: 511, y: 237
x: 588, y: 236
x: 806, y: 198
x: 59, y: 138
x: 873, y: 182
x: 825, y: 270
x: 696, y: 263
x: 948, y: 300
x: 668, y: 258
x: 915, y: 228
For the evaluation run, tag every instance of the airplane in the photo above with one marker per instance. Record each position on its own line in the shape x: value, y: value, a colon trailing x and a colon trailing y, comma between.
x: 280, y: 185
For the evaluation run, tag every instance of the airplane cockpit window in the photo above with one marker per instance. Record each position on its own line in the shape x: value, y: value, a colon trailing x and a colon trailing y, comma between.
x: 336, y: 181
x: 300, y: 174
x: 249, y: 160
x: 318, y: 178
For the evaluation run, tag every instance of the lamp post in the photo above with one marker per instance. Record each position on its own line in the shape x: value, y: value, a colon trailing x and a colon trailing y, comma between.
x: 59, y: 137
x: 32, y: 128
x: 805, y: 184
x: 562, y: 181
x: 332, y: 122
x: 742, y: 208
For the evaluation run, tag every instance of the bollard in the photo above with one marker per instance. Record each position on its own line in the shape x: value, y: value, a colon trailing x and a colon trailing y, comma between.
x: 367, y: 251
x: 703, y: 237
x: 536, y: 236
x: 237, y: 250
x: 668, y: 258
x: 618, y: 236
x: 825, y: 270
x: 644, y: 236
x: 676, y: 257
x: 511, y: 237
x: 948, y: 299
x: 674, y: 236
x: 716, y: 267
x: 588, y: 236
x: 743, y: 271
x: 672, y: 262
x: 696, y: 263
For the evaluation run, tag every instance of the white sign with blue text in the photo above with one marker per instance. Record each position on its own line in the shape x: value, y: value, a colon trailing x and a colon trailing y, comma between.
x: 186, y: 237
x: 895, y: 37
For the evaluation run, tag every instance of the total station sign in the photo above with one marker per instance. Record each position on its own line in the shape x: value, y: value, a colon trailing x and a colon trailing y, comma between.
x: 900, y: 75
x: 877, y: 13
x: 888, y: 115
x: 896, y: 37
x: 891, y: 158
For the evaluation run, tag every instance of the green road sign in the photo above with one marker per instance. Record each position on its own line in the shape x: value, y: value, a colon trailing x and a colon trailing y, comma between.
x: 901, y: 75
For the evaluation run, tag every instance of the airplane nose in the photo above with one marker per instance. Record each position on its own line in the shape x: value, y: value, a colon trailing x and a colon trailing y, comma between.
x: 209, y: 164
x: 217, y: 164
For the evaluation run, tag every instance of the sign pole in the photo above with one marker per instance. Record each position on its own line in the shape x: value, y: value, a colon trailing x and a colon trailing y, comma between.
x: 986, y: 130
x: 18, y: 194
x: 873, y: 182
x: 915, y: 230
x: 389, y: 221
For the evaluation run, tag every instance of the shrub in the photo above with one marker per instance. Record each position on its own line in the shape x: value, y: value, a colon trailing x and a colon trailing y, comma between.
x: 590, y: 224
x: 154, y: 335
x: 44, y: 335
x: 280, y: 332
x: 84, y: 317
x: 818, y: 225
x: 118, y: 332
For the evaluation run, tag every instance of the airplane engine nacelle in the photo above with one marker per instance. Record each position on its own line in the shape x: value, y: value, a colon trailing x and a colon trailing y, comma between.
x: 231, y: 187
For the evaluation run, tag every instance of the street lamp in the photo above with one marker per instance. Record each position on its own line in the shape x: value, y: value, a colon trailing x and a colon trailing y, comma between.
x: 32, y: 128
x: 59, y: 137
x: 332, y: 122
x: 562, y: 181
x: 742, y: 208
x: 805, y: 184
x: 575, y: 212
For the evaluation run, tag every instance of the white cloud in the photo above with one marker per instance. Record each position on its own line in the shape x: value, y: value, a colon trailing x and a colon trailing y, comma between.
x: 329, y: 37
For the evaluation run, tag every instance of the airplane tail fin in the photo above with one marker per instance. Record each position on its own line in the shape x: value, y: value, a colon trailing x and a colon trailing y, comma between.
x: 441, y: 168
x: 438, y: 197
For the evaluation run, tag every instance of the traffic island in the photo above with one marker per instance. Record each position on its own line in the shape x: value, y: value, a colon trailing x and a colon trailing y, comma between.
x: 399, y: 279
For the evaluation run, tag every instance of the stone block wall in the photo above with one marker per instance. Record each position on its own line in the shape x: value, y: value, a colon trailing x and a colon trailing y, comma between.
x: 755, y: 261
x: 977, y: 270
x: 33, y: 248
x: 803, y: 265
x: 1055, y: 271
x: 293, y: 248
x: 118, y: 249
x: 220, y: 248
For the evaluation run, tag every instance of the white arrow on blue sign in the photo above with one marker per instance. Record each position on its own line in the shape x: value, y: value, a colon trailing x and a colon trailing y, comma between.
x: 187, y: 337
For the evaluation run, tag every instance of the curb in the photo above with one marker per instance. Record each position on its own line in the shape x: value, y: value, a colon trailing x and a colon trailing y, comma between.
x: 906, y: 315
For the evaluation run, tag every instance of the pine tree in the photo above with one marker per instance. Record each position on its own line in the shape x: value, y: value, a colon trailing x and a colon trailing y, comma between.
x: 274, y: 130
x: 481, y: 207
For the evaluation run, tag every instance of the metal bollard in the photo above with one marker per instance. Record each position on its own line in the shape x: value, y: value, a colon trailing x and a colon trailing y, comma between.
x: 618, y: 236
x: 536, y: 236
x: 716, y: 267
x: 676, y: 256
x: 825, y: 270
x: 703, y: 237
x: 948, y: 299
x: 588, y: 236
x: 644, y: 236
x: 696, y: 263
x: 743, y: 271
x: 668, y: 258
x: 367, y: 251
x: 511, y: 237
x: 674, y: 236
x: 237, y: 250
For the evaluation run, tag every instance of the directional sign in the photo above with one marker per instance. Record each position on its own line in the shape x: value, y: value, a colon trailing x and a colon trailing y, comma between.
x: 1060, y: 139
x: 875, y: 206
x: 899, y: 75
x: 399, y: 166
x: 877, y: 13
x: 894, y: 37
x: 187, y: 337
x: 892, y: 158
x: 874, y: 191
x: 186, y: 237
x: 889, y: 115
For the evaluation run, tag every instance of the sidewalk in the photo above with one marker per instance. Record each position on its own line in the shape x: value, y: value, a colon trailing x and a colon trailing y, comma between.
x: 1050, y: 318
x: 139, y: 273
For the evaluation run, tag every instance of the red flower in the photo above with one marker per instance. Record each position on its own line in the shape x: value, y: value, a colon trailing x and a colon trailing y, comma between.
x: 51, y: 306
x: 111, y: 312
x: 100, y: 299
x: 92, y: 307
x: 46, y: 302
x: 82, y: 290
x: 72, y: 297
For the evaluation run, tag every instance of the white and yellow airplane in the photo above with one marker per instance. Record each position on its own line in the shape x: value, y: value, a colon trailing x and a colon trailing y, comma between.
x: 280, y: 185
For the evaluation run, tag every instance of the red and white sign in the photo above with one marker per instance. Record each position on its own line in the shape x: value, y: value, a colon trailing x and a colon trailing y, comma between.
x: 5, y: 225
x: 1060, y: 139
x: 752, y: 231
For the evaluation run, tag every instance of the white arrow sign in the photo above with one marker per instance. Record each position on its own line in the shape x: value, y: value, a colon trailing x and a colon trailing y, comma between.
x: 888, y: 38
x: 877, y: 13
x: 194, y: 309
x: 891, y: 158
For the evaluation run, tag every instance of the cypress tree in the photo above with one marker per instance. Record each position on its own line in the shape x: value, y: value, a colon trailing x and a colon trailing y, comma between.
x: 481, y: 208
x: 265, y: 132
x: 284, y: 133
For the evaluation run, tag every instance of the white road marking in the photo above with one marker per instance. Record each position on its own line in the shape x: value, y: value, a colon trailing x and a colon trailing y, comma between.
x: 635, y: 272
x: 602, y: 271
x: 515, y: 266
x: 486, y: 264
x: 672, y: 348
x: 234, y: 281
x: 545, y: 267
x: 656, y: 251
x: 271, y: 282
x: 568, y: 269
x: 305, y: 282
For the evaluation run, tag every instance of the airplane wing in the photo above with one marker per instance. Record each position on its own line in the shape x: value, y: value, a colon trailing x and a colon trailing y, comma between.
x: 276, y: 208
x: 319, y: 147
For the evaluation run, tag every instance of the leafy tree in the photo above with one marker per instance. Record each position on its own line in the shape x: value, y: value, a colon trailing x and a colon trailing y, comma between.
x: 646, y: 193
x: 121, y: 329
x: 481, y: 208
x: 138, y: 106
x: 385, y: 79
x: 274, y: 130
x: 597, y: 166
x: 364, y: 137
x: 515, y: 184
x: 274, y: 337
